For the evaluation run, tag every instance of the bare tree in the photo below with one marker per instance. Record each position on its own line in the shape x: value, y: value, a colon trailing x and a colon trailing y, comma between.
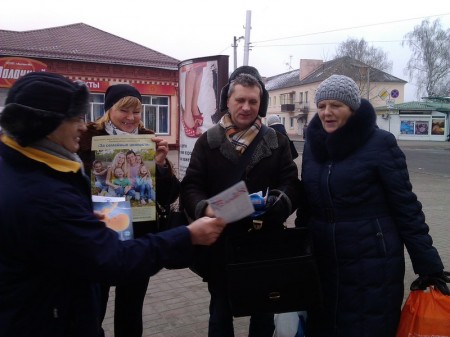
x: 361, y: 51
x: 429, y: 65
x: 443, y: 88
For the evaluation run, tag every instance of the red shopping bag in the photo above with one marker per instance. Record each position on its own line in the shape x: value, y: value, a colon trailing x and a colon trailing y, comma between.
x: 426, y: 313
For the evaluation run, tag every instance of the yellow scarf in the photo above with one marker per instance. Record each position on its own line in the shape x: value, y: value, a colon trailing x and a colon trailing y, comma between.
x: 56, y: 163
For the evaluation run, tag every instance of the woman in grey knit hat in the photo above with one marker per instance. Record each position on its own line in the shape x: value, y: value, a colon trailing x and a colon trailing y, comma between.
x: 362, y: 213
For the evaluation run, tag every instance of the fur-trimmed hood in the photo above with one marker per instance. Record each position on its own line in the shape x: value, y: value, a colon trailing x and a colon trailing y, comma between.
x: 339, y: 144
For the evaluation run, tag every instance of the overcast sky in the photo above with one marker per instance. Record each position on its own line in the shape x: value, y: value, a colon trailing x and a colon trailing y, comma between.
x: 282, y: 31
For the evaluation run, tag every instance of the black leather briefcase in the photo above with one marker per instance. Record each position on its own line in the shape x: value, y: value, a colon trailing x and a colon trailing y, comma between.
x: 272, y: 272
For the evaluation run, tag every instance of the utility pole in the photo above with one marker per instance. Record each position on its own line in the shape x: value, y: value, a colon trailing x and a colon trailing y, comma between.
x: 248, y: 26
x: 368, y: 83
x: 234, y: 45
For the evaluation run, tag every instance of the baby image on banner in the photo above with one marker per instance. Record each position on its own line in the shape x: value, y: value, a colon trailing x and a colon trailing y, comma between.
x: 124, y: 166
x: 117, y: 216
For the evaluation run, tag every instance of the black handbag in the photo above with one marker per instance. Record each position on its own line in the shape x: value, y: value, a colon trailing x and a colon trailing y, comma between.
x: 169, y: 217
x: 272, y: 272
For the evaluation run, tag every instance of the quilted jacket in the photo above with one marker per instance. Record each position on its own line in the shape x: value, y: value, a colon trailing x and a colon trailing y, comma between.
x: 362, y: 213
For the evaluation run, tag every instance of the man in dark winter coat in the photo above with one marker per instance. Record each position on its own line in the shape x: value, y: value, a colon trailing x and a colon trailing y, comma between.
x: 53, y: 249
x: 362, y: 212
x: 223, y: 156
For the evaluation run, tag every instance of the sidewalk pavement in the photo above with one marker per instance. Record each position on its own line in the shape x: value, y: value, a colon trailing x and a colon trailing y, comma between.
x: 176, y: 304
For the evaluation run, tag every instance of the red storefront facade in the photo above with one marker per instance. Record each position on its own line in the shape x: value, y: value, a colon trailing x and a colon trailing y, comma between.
x: 101, y: 60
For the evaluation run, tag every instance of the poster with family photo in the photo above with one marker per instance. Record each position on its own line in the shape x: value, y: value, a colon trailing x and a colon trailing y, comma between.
x: 124, y: 166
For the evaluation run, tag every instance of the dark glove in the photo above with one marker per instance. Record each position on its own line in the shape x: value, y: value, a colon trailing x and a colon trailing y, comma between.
x: 438, y: 280
x: 277, y: 210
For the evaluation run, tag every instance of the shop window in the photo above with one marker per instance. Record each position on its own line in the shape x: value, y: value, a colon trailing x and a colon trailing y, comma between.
x: 96, y: 107
x: 149, y: 116
x: 421, y: 128
x: 407, y: 127
x: 438, y: 126
x: 156, y: 114
x: 411, y: 127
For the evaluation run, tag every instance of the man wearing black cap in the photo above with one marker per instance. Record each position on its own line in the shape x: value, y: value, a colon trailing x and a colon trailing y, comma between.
x: 53, y: 249
x: 238, y: 148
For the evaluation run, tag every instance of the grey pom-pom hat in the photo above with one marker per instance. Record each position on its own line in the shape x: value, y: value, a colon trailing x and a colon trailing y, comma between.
x: 340, y: 88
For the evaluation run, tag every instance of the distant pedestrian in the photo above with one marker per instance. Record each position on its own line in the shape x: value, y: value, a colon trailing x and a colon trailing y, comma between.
x: 274, y: 122
x: 305, y: 128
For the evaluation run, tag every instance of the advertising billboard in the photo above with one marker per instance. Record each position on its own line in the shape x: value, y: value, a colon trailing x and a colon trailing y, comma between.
x: 200, y: 82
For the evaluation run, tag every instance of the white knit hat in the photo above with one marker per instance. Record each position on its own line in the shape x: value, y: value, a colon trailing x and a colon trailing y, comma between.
x: 273, y: 119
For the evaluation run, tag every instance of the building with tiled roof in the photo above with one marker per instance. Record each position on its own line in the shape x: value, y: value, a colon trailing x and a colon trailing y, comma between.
x: 82, y: 43
x: 81, y: 52
x: 292, y: 93
x: 292, y: 98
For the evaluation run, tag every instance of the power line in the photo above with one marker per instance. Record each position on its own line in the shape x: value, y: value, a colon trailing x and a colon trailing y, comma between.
x: 348, y: 28
x: 331, y: 31
x: 318, y: 44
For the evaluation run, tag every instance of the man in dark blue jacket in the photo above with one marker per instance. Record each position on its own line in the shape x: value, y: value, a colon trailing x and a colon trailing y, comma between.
x: 53, y: 249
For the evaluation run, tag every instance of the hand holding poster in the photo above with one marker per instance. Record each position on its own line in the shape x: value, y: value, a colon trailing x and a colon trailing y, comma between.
x: 124, y: 166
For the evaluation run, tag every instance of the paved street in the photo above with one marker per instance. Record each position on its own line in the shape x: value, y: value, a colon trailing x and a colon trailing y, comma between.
x: 177, y: 300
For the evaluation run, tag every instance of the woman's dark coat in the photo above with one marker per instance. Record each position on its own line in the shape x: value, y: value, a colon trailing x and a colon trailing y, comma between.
x: 53, y: 251
x: 214, y: 166
x: 362, y: 212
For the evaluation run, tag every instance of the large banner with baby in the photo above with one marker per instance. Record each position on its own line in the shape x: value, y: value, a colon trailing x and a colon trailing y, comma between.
x: 200, y: 81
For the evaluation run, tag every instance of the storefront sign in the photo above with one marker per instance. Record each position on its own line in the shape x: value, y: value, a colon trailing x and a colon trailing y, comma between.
x: 13, y: 68
x: 144, y: 89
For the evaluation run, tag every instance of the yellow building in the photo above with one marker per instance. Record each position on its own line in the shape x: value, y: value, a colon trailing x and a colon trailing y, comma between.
x: 291, y: 95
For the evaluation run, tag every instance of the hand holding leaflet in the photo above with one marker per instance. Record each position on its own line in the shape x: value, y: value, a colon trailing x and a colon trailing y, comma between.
x: 232, y: 204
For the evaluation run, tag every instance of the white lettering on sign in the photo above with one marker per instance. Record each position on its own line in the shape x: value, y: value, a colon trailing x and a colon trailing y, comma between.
x: 13, y: 73
x: 92, y: 85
